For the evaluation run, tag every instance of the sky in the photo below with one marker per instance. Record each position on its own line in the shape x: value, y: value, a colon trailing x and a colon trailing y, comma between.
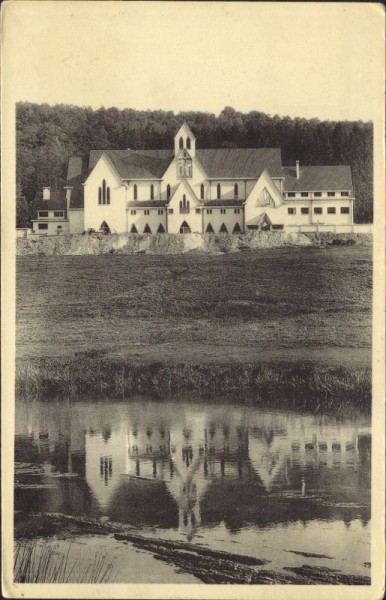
x: 317, y: 60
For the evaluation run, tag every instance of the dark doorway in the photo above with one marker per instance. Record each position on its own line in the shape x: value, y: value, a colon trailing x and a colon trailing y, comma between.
x: 223, y: 228
x: 209, y: 229
x: 104, y: 228
x: 185, y: 228
x: 133, y: 229
x: 161, y: 228
x: 147, y: 229
x: 237, y: 228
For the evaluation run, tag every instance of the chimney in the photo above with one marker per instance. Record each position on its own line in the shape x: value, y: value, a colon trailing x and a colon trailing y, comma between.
x: 297, y: 169
x: 46, y: 193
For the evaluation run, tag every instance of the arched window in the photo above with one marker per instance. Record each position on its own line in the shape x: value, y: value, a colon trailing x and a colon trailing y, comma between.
x: 168, y: 192
x: 104, y: 194
x: 181, y: 143
x: 188, y: 205
x: 188, y: 143
x: 184, y: 201
x: 180, y: 204
x: 236, y: 190
x: 135, y: 192
x: 218, y: 191
x: 152, y: 192
x: 202, y: 191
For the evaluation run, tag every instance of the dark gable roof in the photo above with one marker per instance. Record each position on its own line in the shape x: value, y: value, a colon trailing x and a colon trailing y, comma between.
x: 236, y: 163
x: 77, y: 172
x: 135, y: 164
x: 57, y: 200
x: 232, y: 163
x: 222, y: 203
x: 147, y: 203
x: 318, y: 178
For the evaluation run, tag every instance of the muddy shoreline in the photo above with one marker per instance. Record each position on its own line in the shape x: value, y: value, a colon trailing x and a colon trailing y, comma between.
x: 208, y: 566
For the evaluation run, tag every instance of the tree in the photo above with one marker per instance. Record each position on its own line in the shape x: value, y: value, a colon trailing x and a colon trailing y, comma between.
x: 22, y: 208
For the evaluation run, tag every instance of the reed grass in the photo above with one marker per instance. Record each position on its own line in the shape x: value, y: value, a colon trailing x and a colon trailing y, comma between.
x: 36, y: 562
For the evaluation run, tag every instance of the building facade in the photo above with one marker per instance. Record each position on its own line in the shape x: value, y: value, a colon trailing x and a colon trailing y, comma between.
x: 191, y: 190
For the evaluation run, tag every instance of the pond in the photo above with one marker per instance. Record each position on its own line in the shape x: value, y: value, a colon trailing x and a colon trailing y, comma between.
x: 288, y: 488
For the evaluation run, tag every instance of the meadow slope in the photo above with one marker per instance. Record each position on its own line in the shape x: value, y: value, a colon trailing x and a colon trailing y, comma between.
x: 278, y: 306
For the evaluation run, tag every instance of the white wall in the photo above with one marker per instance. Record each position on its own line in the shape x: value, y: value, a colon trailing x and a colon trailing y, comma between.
x: 137, y: 217
x: 76, y: 220
x: 114, y: 214
x: 53, y: 227
x: 216, y: 219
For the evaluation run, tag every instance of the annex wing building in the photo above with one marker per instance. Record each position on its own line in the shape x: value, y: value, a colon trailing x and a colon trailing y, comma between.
x: 191, y: 190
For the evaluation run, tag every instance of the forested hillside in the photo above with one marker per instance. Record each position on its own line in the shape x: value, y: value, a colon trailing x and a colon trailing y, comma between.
x: 48, y: 135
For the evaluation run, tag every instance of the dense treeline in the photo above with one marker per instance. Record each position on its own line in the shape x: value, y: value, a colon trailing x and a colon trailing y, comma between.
x: 48, y: 135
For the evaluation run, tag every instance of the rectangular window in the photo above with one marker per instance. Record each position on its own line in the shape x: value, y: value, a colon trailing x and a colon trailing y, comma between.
x: 292, y: 211
x: 147, y: 212
x: 318, y: 210
x: 223, y: 211
x: 43, y: 213
x: 330, y: 194
x: 209, y: 211
x: 237, y: 211
x: 58, y: 213
x: 171, y: 211
x: 160, y: 212
x: 344, y: 210
x: 345, y: 194
x: 43, y: 226
x: 291, y: 194
x: 59, y: 227
x: 331, y: 210
x: 318, y: 194
x: 198, y: 210
x: 304, y: 210
x: 277, y: 226
x: 133, y: 212
x: 304, y: 194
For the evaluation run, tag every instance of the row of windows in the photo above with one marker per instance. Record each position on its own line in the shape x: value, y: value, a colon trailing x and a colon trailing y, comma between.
x: 181, y: 143
x: 317, y: 194
x: 202, y: 188
x: 45, y: 226
x: 57, y: 213
x: 104, y: 193
x: 318, y: 210
x: 186, y: 206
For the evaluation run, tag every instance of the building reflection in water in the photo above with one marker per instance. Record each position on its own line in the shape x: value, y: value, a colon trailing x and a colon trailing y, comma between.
x: 186, y: 467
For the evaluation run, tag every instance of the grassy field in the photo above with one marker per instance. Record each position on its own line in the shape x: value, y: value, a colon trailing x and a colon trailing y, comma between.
x: 275, y: 305
x: 293, y: 322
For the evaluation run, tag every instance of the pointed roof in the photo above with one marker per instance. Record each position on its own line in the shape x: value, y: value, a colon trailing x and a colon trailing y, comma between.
x: 187, y: 130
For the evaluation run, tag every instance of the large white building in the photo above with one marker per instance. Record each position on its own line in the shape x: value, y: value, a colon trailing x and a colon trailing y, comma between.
x: 190, y: 190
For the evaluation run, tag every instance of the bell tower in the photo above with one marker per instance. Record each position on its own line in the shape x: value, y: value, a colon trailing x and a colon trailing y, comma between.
x: 185, y: 140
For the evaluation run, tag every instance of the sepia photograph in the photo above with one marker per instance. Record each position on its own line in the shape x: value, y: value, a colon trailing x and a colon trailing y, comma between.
x: 193, y: 240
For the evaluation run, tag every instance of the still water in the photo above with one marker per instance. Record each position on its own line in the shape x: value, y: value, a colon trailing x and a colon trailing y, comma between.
x: 274, y: 485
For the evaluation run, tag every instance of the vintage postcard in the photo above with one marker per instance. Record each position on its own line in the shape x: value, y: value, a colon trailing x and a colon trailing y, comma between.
x: 193, y: 295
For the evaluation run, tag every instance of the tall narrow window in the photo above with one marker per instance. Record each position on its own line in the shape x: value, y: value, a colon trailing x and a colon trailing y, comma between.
x: 152, y: 192
x: 218, y: 191
x: 181, y: 143
x: 168, y: 192
x: 135, y: 192
x: 236, y: 190
x: 184, y: 201
x: 188, y: 143
x: 100, y: 195
x: 108, y: 196
x: 104, y: 191
x: 202, y: 189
